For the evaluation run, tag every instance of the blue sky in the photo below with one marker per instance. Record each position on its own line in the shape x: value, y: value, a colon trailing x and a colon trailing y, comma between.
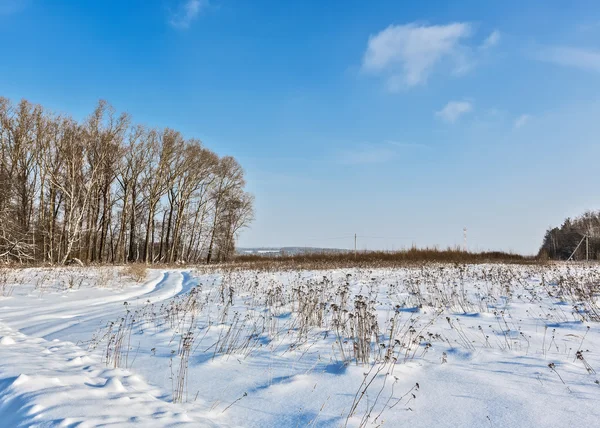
x: 399, y: 121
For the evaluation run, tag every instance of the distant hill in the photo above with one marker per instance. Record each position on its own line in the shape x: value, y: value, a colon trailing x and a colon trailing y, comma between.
x: 288, y: 251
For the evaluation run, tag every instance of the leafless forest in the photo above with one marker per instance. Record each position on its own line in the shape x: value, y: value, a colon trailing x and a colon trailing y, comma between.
x: 106, y: 190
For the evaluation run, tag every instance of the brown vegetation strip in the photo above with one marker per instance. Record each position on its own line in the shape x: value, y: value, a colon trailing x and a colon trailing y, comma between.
x: 326, y: 260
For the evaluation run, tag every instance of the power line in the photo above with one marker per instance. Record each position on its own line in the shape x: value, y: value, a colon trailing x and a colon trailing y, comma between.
x: 356, y: 236
x: 328, y: 238
x: 384, y: 237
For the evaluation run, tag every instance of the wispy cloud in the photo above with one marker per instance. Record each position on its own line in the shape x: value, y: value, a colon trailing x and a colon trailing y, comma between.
x: 584, y: 59
x: 522, y: 120
x: 492, y: 40
x: 402, y: 145
x: 454, y: 110
x: 9, y: 7
x: 408, y: 53
x: 377, y: 153
x: 366, y: 154
x: 589, y: 27
x: 187, y: 12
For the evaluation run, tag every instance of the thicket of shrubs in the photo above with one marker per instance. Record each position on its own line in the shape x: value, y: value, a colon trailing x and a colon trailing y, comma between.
x: 318, y: 260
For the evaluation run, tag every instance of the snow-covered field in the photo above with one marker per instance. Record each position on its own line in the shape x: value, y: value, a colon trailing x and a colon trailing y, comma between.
x: 460, y: 346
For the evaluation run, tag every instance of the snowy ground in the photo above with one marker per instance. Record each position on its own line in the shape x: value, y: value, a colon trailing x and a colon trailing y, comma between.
x: 460, y: 346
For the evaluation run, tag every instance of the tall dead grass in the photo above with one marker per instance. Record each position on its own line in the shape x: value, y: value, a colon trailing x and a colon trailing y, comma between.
x: 136, y: 271
x: 375, y: 259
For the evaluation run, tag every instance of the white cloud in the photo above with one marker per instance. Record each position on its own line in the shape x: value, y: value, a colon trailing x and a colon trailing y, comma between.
x: 584, y: 59
x: 492, y: 40
x: 453, y: 110
x: 187, y: 12
x: 407, y: 54
x: 522, y: 120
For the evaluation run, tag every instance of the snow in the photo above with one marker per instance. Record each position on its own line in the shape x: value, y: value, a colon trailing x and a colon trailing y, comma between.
x: 472, y: 346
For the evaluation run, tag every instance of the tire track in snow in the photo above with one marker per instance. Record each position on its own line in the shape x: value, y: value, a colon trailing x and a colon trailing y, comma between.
x: 49, y: 319
x: 58, y: 384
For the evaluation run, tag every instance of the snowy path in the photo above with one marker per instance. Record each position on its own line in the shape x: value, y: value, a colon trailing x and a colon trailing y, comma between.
x: 76, y: 315
x: 58, y: 384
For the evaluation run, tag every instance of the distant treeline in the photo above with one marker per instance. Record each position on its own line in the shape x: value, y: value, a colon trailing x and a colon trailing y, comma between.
x: 328, y: 259
x: 107, y: 190
x: 560, y: 242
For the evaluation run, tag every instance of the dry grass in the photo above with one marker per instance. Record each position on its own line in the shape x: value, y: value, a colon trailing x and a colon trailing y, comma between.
x: 377, y: 259
x: 136, y: 271
x: 330, y: 260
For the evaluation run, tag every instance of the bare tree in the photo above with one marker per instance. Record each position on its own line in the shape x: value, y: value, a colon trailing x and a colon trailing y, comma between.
x: 105, y: 190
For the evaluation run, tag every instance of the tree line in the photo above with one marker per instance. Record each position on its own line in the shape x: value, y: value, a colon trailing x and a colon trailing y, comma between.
x: 561, y: 242
x: 106, y: 190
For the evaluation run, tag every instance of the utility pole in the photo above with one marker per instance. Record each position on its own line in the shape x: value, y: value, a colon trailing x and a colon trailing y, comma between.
x: 355, y: 245
x: 465, y: 239
x: 587, y: 248
x: 577, y: 247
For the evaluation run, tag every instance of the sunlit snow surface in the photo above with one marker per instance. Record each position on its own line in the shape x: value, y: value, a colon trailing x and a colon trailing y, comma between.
x: 488, y: 345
